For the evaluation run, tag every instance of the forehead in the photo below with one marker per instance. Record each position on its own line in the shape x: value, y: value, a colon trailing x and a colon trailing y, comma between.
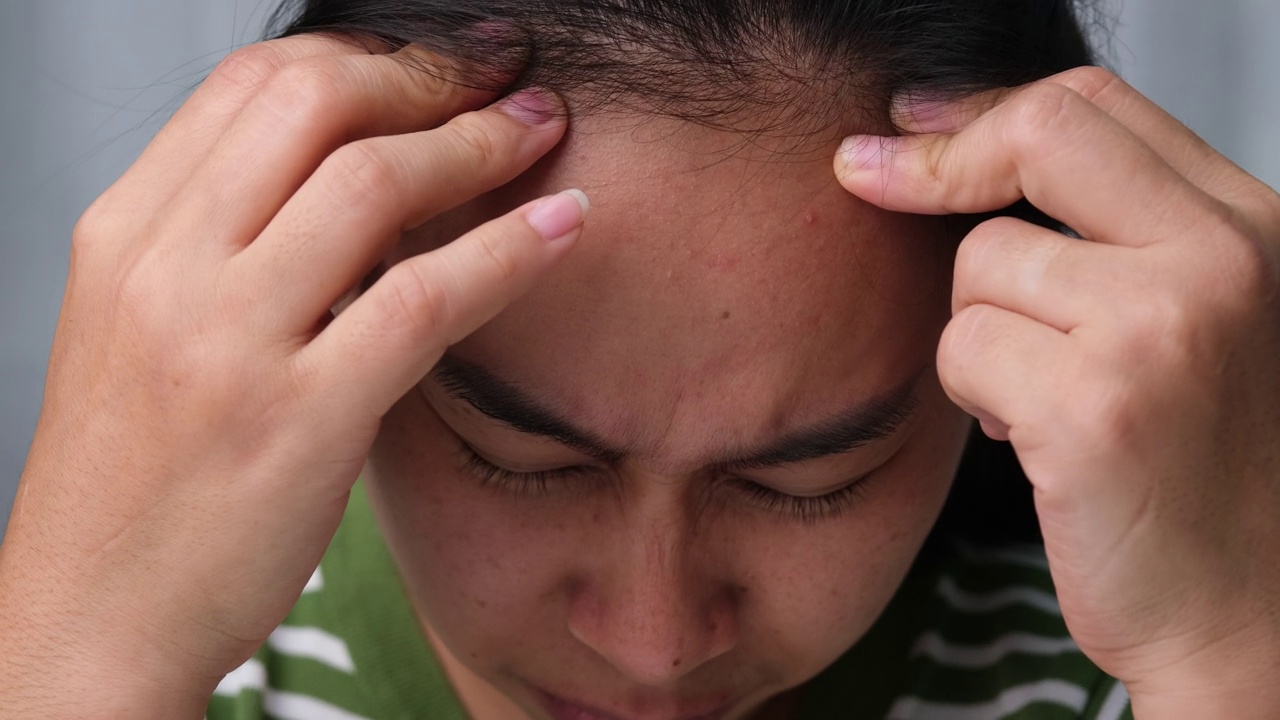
x: 725, y: 288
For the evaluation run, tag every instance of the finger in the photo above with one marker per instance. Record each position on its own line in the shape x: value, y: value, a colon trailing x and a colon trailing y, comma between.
x: 305, y: 112
x: 1187, y: 153
x: 1047, y: 144
x: 184, y: 142
x: 1002, y: 367
x: 353, y: 210
x: 1044, y: 275
x: 391, y: 336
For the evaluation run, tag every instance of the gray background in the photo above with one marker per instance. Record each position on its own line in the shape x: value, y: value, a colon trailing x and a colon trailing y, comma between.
x: 85, y: 83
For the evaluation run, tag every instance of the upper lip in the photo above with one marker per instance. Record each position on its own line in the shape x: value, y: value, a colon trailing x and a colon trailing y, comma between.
x: 675, y: 710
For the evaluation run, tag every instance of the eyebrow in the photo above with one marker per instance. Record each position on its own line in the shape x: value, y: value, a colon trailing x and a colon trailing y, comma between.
x: 868, y: 422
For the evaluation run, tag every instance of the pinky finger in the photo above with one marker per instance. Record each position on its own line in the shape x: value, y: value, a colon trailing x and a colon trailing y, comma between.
x: 391, y: 336
x: 1002, y: 367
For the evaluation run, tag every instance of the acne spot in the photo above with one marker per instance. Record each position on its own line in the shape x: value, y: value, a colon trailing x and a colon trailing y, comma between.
x: 725, y: 315
x: 676, y: 663
x: 808, y: 218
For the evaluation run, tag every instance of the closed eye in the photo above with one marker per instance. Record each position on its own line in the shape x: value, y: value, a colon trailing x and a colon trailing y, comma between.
x: 806, y: 509
x: 521, y: 483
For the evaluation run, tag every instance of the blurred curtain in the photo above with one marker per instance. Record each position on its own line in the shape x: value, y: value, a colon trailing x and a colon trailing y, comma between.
x: 85, y: 83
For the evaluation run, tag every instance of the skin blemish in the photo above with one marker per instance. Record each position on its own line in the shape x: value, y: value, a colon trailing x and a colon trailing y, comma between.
x: 722, y: 261
x: 808, y: 218
x: 725, y: 315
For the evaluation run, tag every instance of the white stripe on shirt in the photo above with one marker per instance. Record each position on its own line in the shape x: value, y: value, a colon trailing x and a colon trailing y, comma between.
x: 292, y: 706
x: 1010, y: 701
x: 313, y: 643
x: 1031, y: 556
x: 965, y: 601
x: 315, y: 584
x: 971, y: 657
x: 1115, y: 704
x: 250, y: 676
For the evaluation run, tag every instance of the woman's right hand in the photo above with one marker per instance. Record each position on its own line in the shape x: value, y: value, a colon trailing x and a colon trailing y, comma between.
x: 205, y: 416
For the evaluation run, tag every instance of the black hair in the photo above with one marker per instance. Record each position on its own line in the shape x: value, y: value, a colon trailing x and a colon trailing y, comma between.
x: 776, y: 62
x: 784, y: 64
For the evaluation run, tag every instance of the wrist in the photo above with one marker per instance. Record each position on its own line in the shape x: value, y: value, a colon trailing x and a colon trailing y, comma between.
x: 56, y: 676
x: 1240, y: 685
x: 1257, y: 703
x: 59, y: 659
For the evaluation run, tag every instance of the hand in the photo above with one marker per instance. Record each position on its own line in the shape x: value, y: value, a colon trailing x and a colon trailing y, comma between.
x: 1136, y: 372
x: 205, y: 414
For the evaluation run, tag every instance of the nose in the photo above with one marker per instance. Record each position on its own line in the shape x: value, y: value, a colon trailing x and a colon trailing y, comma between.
x: 649, y: 611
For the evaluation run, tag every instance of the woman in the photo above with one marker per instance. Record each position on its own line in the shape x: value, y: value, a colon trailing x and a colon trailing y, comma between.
x: 680, y: 461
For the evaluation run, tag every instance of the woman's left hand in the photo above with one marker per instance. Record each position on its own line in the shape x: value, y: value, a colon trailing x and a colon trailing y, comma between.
x: 1136, y: 372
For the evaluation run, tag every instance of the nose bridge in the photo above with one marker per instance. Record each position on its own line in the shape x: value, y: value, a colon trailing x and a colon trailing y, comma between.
x: 653, y: 608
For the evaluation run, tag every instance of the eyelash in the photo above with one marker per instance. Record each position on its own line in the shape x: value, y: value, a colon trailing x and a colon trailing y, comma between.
x: 807, y: 510
x: 534, y: 483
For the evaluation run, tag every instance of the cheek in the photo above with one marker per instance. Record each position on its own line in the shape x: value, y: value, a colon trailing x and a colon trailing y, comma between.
x: 816, y: 590
x: 476, y: 567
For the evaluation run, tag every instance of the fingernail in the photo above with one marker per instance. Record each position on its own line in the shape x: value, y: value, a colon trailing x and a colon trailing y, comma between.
x: 862, y: 153
x: 533, y: 106
x: 559, y: 215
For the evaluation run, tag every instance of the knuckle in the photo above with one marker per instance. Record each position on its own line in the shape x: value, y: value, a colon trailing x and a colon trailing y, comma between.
x: 1092, y: 81
x: 1250, y: 270
x: 474, y: 140
x: 309, y: 88
x: 1044, y: 111
x: 428, y: 75
x: 362, y: 175
x: 413, y: 304
x: 1168, y: 332
x: 967, y: 330
x: 493, y: 250
x: 248, y: 68
x: 142, y: 295
x: 976, y: 249
x: 90, y: 230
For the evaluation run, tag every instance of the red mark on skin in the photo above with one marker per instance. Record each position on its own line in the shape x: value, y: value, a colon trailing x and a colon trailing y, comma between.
x: 808, y: 218
x: 720, y: 261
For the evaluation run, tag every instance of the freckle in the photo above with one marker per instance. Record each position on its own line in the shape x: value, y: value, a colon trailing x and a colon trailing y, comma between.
x: 725, y: 315
x: 676, y: 663
x: 482, y: 604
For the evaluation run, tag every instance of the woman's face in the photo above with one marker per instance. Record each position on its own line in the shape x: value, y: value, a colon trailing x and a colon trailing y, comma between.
x: 689, y: 470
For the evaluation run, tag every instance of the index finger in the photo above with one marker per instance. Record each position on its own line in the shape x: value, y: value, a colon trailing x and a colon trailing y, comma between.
x: 1187, y: 153
x: 1048, y: 144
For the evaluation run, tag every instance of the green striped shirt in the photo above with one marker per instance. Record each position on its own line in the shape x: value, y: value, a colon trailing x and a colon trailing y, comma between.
x: 973, y: 634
